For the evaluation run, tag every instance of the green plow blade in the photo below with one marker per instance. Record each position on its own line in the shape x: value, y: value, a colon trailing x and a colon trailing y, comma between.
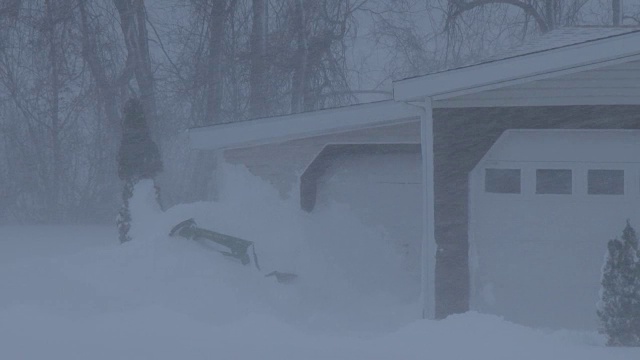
x: 237, y: 248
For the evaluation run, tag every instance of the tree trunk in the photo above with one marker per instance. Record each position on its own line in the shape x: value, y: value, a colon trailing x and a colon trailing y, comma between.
x: 300, y: 62
x: 215, y: 85
x: 617, y: 12
x: 107, y: 89
x: 549, y: 12
x: 133, y: 17
x: 258, y: 90
x: 54, y: 112
x: 206, y: 164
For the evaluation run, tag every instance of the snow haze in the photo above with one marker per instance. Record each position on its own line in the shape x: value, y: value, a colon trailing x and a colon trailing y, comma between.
x: 161, y: 298
x: 342, y: 179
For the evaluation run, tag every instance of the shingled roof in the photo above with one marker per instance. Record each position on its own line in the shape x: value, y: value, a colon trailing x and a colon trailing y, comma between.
x: 563, y: 37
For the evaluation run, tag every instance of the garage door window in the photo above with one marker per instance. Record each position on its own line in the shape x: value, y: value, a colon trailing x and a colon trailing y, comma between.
x: 553, y: 181
x: 606, y: 182
x: 502, y: 181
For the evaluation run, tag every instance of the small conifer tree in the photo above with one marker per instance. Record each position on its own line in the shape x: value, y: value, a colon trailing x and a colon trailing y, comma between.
x: 124, y: 215
x: 138, y: 158
x: 619, y: 306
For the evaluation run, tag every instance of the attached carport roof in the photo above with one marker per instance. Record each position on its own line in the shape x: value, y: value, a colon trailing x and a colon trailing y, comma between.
x: 297, y: 126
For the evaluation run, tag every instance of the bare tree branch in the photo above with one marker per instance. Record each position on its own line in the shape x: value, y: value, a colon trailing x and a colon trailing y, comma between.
x: 463, y: 6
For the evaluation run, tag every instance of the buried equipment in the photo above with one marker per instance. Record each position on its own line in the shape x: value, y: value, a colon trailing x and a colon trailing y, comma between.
x: 283, y: 278
x: 237, y: 248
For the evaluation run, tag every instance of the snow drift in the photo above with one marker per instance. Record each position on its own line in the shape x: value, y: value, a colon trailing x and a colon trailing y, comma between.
x: 87, y: 297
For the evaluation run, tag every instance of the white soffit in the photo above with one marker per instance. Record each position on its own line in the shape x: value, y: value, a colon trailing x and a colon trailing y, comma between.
x: 520, y: 69
x: 296, y: 126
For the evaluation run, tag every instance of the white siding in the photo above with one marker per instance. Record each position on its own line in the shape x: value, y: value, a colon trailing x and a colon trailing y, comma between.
x: 617, y: 84
x: 282, y: 164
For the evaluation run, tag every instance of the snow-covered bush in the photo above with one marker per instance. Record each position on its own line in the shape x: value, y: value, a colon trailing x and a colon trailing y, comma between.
x: 138, y: 159
x: 123, y: 221
x: 619, y: 306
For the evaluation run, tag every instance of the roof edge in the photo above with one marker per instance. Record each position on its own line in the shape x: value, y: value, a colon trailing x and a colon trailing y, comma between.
x: 503, y: 72
x: 302, y: 125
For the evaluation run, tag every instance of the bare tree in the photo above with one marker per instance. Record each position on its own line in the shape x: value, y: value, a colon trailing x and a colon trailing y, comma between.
x: 544, y: 22
x: 258, y: 89
x: 503, y: 23
x: 107, y: 84
x: 547, y: 14
x: 133, y: 21
x: 41, y: 74
x: 67, y: 66
x: 318, y: 32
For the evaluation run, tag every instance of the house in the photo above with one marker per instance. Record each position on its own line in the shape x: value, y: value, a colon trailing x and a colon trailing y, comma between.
x: 435, y: 135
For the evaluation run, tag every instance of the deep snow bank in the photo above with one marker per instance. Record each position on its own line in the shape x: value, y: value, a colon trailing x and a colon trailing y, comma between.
x: 167, y: 298
x: 347, y: 272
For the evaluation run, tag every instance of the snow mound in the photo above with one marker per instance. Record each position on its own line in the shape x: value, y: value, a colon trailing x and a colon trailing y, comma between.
x: 346, y: 271
x: 159, y: 297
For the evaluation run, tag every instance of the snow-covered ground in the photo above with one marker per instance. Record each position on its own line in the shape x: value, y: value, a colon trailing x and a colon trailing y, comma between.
x: 72, y: 292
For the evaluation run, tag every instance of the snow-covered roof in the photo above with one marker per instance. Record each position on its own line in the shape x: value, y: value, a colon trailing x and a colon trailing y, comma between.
x: 562, y: 37
x: 296, y: 126
x: 561, y: 51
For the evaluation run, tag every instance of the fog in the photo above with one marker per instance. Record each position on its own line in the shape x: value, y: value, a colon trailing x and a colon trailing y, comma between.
x: 401, y: 169
x: 67, y: 70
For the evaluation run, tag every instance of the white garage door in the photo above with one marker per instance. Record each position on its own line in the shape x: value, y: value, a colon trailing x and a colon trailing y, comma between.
x: 544, y: 204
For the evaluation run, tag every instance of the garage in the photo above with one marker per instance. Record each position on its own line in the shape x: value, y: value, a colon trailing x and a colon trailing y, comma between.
x: 544, y: 203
